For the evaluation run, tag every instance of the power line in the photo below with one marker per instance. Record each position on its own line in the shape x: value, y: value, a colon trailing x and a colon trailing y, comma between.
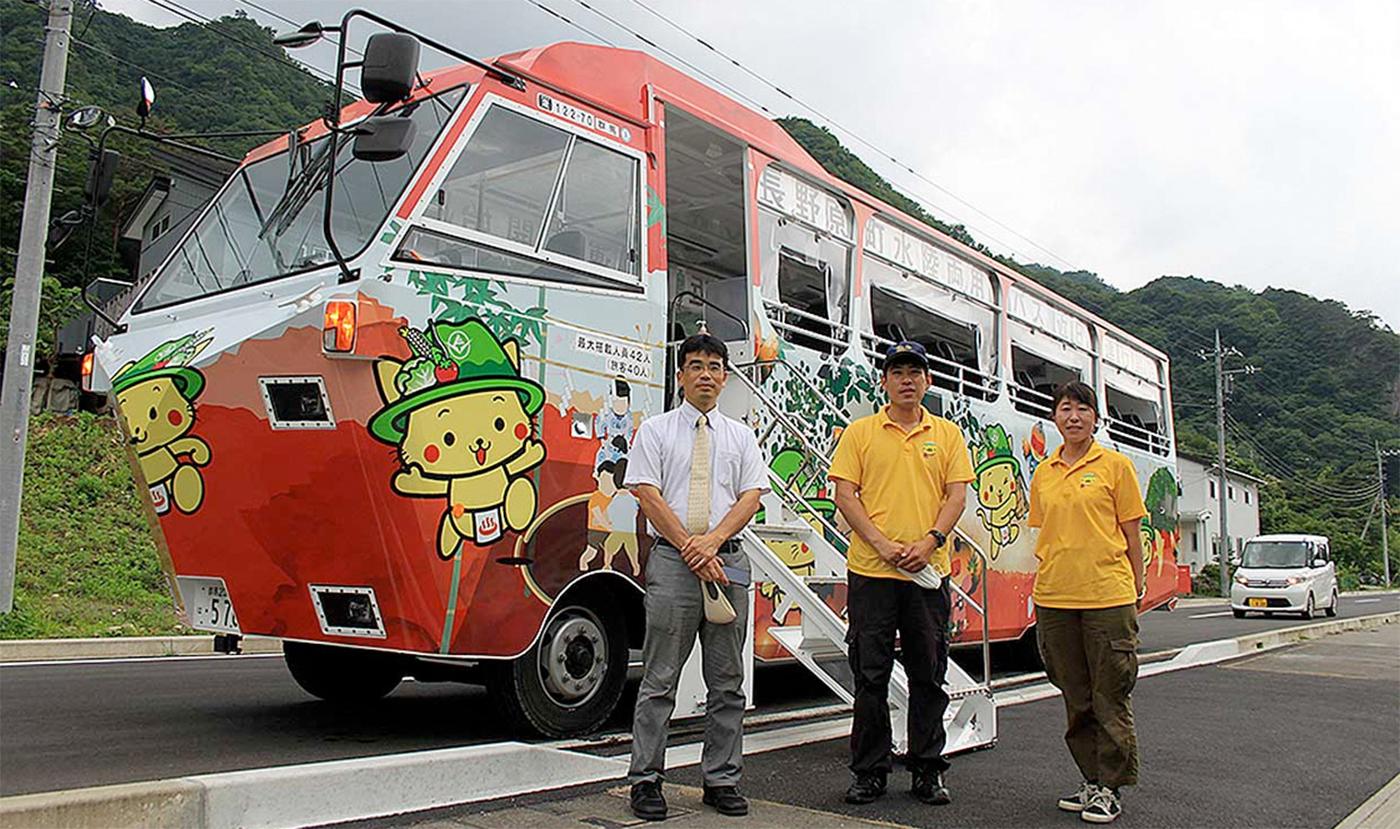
x: 1293, y: 476
x: 759, y: 105
x: 143, y: 70
x: 580, y: 27
x: 208, y: 24
x: 940, y: 188
x: 291, y: 22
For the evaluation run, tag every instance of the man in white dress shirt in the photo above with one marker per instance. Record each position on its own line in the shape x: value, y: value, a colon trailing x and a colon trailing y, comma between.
x: 698, y: 476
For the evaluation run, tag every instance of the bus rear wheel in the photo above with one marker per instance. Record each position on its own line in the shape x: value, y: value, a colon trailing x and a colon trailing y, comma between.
x: 345, y: 675
x: 570, y: 680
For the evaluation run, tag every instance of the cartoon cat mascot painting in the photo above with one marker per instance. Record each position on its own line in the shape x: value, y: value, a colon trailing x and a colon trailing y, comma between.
x: 459, y: 412
x: 1001, y: 490
x: 155, y: 396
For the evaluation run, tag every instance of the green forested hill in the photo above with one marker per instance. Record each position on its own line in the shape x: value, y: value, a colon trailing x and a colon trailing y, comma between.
x: 1327, y: 389
x: 206, y: 80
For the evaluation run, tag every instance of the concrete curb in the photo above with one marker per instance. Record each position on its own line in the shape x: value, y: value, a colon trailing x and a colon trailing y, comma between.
x: 316, y: 793
x: 122, y: 647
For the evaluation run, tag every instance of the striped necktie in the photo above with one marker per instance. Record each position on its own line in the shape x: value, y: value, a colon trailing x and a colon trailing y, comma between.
x: 697, y: 515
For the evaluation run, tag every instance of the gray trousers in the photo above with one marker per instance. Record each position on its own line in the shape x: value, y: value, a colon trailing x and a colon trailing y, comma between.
x: 675, y: 615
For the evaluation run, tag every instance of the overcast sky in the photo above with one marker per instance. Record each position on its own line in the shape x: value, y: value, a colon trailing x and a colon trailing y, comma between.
x: 1247, y: 142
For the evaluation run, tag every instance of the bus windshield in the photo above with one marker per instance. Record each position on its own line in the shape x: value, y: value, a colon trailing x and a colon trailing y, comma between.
x: 267, y: 221
x: 1275, y: 554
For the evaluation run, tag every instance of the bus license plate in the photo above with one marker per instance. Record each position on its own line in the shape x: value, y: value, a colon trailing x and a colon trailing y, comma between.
x: 208, y: 604
x: 1258, y: 602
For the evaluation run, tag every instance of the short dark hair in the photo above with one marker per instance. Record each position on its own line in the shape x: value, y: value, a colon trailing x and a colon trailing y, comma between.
x: 620, y: 474
x: 702, y: 344
x: 1077, y: 391
x: 605, y: 466
x: 621, y: 389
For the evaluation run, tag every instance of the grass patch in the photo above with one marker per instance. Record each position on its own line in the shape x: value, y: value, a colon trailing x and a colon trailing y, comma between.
x: 87, y: 565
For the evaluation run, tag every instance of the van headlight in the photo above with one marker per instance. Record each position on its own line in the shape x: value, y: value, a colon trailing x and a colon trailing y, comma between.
x: 1292, y: 580
x: 1241, y: 580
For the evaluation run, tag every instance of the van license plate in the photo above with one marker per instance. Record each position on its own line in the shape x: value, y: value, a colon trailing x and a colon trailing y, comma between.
x: 1258, y: 602
x: 208, y: 604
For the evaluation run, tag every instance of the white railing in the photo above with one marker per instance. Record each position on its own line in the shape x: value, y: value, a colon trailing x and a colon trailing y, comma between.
x: 947, y: 374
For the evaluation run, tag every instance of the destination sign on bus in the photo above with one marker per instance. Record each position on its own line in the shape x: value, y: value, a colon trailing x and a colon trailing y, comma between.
x: 896, y: 245
x: 583, y: 117
x: 800, y: 200
x: 1046, y: 317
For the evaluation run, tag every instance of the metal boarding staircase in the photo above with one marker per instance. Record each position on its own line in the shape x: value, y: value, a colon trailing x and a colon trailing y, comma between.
x: 819, y: 641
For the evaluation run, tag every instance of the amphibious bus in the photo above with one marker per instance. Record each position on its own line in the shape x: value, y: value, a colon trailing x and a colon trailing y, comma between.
x: 380, y: 398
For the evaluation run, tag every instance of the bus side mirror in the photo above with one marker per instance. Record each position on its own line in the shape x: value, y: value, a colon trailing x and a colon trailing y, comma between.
x: 100, y: 177
x: 389, y: 68
x: 383, y: 138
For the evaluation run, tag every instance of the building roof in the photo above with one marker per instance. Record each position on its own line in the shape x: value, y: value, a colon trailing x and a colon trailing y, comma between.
x: 1211, y: 464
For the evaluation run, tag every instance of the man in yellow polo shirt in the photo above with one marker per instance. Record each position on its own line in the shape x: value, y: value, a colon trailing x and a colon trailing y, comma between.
x: 901, y: 483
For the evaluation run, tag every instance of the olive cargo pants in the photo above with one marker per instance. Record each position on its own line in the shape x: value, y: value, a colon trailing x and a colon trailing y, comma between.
x: 1091, y: 656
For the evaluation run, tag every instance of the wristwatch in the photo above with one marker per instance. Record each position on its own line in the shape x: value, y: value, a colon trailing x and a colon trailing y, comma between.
x: 939, y: 538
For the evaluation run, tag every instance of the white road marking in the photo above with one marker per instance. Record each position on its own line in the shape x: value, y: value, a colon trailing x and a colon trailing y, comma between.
x: 1208, y: 615
x: 1366, y: 601
x: 116, y: 660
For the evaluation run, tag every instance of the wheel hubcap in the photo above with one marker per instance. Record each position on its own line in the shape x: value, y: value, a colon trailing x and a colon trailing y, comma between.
x: 573, y: 657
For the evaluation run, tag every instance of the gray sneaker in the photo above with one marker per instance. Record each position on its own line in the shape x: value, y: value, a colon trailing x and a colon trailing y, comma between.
x: 1104, y: 807
x: 1077, y: 801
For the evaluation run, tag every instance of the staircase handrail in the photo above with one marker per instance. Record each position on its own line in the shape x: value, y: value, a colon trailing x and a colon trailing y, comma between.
x: 982, y: 610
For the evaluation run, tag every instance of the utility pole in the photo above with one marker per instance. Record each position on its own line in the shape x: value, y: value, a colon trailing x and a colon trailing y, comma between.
x: 29, y: 278
x: 1385, y: 528
x: 1222, y: 376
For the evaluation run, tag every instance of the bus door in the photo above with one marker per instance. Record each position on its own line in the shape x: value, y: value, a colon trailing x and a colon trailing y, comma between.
x: 708, y: 276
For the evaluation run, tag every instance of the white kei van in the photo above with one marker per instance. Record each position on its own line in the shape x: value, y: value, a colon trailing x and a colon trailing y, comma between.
x: 1289, y: 573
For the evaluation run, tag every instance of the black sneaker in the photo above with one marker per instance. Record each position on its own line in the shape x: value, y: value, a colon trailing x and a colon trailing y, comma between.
x: 929, y: 788
x: 1104, y: 806
x: 726, y: 800
x: 647, y: 802
x: 1077, y: 801
x: 866, y: 788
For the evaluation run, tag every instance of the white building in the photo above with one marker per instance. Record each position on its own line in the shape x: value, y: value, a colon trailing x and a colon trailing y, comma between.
x: 1199, y: 509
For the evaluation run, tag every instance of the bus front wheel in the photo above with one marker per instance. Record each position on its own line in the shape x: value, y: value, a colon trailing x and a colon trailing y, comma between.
x: 570, y: 680
x: 338, y: 674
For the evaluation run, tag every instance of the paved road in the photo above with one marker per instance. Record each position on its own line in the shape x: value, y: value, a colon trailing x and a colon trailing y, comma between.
x: 90, y: 724
x: 1298, y: 737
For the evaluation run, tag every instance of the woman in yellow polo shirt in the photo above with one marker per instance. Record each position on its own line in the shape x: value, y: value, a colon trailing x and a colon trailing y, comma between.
x: 1086, y: 501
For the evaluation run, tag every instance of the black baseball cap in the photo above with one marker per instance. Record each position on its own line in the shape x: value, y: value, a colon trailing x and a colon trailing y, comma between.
x: 906, y: 351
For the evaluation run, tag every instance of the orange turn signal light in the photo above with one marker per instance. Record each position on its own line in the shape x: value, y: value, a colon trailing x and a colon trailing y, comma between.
x: 338, y: 332
x: 87, y: 371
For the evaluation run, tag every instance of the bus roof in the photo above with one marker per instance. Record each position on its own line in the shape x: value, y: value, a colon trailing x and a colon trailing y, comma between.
x: 623, y: 83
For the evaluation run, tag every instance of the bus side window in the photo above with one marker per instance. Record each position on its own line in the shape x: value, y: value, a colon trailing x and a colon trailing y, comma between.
x: 902, y: 307
x: 1033, y: 381
x: 1134, y: 421
x: 806, y: 284
x: 802, y: 288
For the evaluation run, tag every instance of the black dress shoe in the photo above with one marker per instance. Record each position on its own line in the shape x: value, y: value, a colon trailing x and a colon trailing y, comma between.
x: 865, y: 788
x: 726, y: 800
x: 929, y: 787
x: 647, y: 802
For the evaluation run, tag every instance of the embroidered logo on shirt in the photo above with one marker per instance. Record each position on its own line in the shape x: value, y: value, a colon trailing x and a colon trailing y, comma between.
x: 1088, y: 479
x: 930, y: 448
